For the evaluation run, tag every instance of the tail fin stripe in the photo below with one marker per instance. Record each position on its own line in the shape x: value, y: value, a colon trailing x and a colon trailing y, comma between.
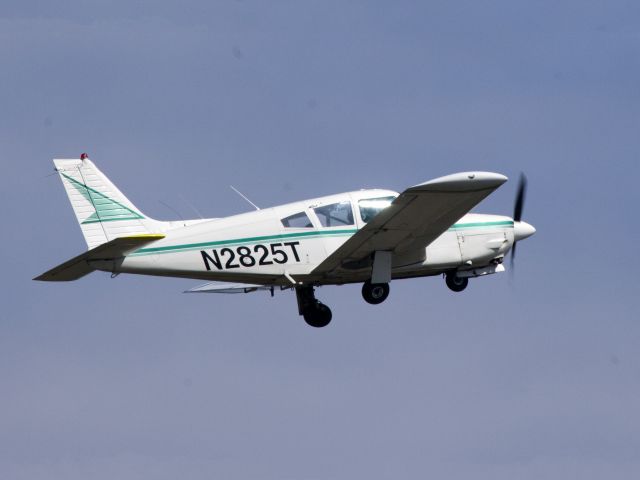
x: 106, y: 209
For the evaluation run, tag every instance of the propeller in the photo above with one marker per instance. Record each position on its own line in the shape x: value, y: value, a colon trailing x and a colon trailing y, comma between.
x: 517, y: 210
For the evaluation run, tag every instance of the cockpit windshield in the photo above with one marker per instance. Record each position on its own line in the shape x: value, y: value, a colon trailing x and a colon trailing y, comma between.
x: 371, y: 207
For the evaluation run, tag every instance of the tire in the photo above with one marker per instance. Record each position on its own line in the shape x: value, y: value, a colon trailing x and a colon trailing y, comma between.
x: 318, y: 315
x: 375, y: 293
x: 456, y: 283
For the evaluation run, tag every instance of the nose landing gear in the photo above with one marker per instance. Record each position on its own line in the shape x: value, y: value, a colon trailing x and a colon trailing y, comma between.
x: 375, y: 293
x: 456, y: 283
x: 315, y: 313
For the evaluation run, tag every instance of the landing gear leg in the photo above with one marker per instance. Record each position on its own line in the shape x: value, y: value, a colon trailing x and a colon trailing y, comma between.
x: 375, y: 293
x: 315, y: 313
x: 456, y: 283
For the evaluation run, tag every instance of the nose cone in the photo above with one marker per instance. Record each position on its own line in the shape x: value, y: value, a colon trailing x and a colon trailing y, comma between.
x: 522, y: 230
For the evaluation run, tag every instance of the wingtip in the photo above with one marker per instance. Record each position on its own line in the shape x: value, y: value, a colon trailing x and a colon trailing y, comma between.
x: 463, y: 181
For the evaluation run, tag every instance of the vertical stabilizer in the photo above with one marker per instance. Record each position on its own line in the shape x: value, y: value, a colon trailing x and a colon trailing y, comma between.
x: 103, y: 212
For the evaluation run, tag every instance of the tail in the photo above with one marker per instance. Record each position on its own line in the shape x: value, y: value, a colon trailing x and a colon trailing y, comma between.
x: 103, y: 212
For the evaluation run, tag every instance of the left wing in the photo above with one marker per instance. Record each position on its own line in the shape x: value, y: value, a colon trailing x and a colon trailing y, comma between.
x: 225, y: 287
x: 416, y: 218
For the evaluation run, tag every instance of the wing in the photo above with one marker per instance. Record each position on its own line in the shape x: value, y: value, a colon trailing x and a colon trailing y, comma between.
x: 79, y: 266
x: 225, y: 287
x: 416, y: 218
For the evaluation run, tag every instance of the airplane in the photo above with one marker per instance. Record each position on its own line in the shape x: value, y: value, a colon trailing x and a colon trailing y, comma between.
x: 368, y: 236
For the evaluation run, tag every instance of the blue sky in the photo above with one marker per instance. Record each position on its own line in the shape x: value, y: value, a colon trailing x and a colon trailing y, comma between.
x: 535, y: 377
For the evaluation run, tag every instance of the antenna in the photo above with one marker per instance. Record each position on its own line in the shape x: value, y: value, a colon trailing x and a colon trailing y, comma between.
x: 240, y: 193
x: 172, y: 209
x: 191, y: 205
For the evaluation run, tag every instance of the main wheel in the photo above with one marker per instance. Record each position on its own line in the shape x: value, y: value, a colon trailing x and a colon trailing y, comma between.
x: 456, y: 283
x: 375, y: 293
x: 317, y: 315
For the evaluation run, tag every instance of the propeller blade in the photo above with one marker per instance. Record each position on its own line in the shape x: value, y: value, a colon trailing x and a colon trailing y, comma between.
x: 517, y: 212
x: 513, y: 255
x: 520, y: 196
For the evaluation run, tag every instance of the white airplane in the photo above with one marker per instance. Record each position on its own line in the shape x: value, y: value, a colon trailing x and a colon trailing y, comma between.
x: 365, y: 236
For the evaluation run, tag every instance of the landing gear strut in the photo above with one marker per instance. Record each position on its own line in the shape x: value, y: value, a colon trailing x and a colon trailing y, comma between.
x: 456, y: 283
x: 375, y: 293
x: 315, y: 313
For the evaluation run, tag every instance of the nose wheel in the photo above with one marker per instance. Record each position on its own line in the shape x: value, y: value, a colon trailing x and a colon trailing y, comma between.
x: 375, y: 293
x: 456, y: 283
x: 314, y: 312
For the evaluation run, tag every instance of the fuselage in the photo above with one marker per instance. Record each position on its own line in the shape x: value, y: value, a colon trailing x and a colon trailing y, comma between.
x: 286, y: 243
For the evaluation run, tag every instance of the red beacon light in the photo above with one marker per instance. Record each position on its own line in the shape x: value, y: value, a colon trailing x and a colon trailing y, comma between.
x: 84, y: 156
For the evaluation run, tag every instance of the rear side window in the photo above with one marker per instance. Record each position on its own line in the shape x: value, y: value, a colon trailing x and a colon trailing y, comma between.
x: 335, y: 215
x: 297, y: 220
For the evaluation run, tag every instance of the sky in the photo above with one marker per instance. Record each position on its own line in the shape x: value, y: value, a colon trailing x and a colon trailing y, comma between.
x: 534, y: 375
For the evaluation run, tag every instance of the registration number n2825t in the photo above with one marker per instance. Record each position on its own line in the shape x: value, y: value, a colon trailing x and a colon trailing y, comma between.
x: 250, y: 255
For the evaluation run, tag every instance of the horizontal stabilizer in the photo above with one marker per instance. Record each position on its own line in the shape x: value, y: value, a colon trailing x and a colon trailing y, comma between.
x: 225, y: 287
x: 80, y: 266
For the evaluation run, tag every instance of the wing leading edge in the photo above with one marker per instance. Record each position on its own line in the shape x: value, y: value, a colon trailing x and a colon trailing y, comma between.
x: 416, y: 218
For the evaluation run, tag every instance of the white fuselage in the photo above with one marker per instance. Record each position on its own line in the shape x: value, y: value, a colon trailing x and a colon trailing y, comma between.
x: 259, y: 248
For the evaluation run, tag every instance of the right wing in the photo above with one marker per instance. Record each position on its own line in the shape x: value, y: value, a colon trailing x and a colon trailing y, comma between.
x: 416, y: 218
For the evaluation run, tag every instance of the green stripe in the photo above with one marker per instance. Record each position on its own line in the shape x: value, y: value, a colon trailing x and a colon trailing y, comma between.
x: 283, y: 236
x: 238, y: 241
x: 110, y: 219
x: 457, y: 226
x: 106, y: 209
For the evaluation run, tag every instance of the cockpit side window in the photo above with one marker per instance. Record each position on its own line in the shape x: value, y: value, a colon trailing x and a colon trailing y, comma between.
x: 335, y: 214
x: 371, y: 207
x: 297, y: 220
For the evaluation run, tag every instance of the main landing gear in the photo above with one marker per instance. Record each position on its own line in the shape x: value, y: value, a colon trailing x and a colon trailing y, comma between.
x: 456, y: 283
x: 375, y: 293
x: 315, y: 313
x: 318, y: 315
